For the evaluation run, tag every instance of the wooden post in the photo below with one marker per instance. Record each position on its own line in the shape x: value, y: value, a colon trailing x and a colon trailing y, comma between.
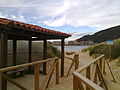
x: 30, y: 52
x: 3, y: 59
x: 44, y: 56
x: 57, y: 72
x: 100, y: 64
x: 104, y: 66
x: 14, y: 51
x: 37, y: 83
x: 75, y: 83
x: 88, y: 76
x: 110, y: 71
x: 110, y: 51
x: 0, y: 80
x: 62, y: 57
x: 76, y: 60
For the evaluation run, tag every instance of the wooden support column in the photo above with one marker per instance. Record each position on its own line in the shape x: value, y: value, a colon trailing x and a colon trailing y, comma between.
x: 37, y: 82
x: 3, y: 59
x: 62, y: 57
x: 14, y: 51
x: 30, y: 53
x: 88, y: 76
x: 44, y: 56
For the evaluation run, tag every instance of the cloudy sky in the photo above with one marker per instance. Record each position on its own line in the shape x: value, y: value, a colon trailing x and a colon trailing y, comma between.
x: 77, y: 17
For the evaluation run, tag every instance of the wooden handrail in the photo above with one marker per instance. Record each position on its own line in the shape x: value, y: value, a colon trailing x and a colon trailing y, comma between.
x: 78, y: 77
x: 88, y: 82
x: 36, y: 73
x: 88, y: 64
x: 25, y: 65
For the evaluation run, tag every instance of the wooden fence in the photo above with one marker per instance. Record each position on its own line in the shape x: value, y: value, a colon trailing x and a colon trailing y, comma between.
x: 93, y: 75
x: 36, y: 65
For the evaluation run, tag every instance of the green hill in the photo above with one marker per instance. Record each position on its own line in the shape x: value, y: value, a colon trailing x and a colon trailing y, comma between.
x: 103, y: 35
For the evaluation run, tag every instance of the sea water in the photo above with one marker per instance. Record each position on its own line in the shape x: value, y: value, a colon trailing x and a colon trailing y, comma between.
x: 71, y: 48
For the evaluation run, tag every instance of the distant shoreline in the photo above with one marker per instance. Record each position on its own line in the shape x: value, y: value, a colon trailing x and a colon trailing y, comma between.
x: 71, y: 45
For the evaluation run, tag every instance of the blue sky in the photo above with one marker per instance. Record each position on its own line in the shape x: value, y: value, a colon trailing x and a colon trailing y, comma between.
x: 76, y: 17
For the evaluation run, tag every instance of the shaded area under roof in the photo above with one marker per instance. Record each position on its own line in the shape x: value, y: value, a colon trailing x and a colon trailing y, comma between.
x: 23, y: 31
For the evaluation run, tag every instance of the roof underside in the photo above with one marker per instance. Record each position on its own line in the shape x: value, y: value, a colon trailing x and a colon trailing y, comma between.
x: 23, y: 31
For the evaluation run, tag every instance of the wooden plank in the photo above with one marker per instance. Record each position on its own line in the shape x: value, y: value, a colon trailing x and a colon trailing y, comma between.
x: 48, y: 77
x: 76, y: 60
x: 104, y: 66
x: 44, y: 56
x: 88, y: 64
x: 95, y: 75
x: 80, y: 86
x: 37, y: 74
x: 86, y: 81
x: 72, y: 63
x: 57, y: 72
x: 101, y: 76
x: 88, y: 76
x: 100, y: 64
x: 26, y: 65
x: 62, y: 57
x: 75, y: 83
x: 13, y: 82
x: 110, y: 71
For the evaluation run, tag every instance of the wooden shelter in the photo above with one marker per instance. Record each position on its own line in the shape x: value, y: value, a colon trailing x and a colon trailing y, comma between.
x: 14, y: 30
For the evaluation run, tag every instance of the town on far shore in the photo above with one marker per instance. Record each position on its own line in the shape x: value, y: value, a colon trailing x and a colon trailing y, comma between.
x: 81, y: 43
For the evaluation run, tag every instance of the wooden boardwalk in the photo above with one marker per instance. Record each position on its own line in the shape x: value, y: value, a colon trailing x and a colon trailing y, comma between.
x: 66, y: 83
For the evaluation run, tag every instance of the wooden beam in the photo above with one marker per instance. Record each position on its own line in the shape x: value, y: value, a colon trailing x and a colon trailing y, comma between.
x: 86, y: 81
x: 57, y: 72
x: 14, y: 82
x: 37, y: 74
x: 88, y: 76
x: 62, y: 57
x: 75, y: 83
x: 3, y: 59
x: 44, y: 56
x: 14, y: 51
x: 25, y: 65
x: 30, y: 53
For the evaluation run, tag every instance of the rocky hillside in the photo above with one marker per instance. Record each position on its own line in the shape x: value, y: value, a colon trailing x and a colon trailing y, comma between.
x: 104, y: 35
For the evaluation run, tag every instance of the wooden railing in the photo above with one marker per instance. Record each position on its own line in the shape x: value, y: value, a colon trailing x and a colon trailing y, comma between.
x: 91, y: 75
x: 36, y: 65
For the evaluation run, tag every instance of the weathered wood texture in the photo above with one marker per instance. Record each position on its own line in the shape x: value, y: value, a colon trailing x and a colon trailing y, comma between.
x: 75, y: 62
x: 36, y: 71
x: 14, y: 51
x: 37, y: 85
x: 3, y: 59
x: 87, y: 79
x: 62, y: 57
x: 44, y: 56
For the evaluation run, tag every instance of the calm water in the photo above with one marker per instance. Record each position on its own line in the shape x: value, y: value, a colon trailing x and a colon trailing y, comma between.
x: 72, y: 48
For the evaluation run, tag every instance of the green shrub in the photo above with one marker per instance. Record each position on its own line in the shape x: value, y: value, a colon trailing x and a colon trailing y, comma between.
x: 102, y: 48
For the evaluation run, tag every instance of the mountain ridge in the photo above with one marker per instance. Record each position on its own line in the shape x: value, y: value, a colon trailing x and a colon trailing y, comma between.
x: 103, y: 35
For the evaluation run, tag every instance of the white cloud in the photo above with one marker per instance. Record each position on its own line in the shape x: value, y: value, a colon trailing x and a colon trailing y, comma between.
x: 99, y: 14
x: 93, y: 13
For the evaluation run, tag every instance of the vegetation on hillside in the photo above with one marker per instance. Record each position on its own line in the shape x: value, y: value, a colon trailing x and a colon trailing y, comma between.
x: 103, y: 48
x: 103, y: 35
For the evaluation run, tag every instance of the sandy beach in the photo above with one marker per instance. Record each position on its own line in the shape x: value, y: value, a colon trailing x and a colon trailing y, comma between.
x: 66, y: 83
